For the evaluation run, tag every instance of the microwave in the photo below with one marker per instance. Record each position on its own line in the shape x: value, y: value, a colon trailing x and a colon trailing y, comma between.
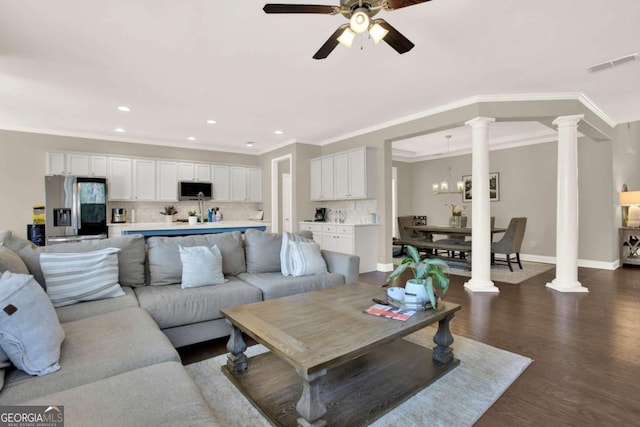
x: 188, y: 190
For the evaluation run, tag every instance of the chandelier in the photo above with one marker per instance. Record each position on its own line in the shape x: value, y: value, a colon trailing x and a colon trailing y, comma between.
x: 444, y: 187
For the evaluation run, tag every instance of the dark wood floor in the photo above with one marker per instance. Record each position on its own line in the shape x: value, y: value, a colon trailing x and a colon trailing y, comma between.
x: 585, y: 347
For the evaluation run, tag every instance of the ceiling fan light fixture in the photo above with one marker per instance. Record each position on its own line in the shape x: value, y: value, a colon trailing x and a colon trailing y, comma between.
x: 347, y: 37
x: 378, y: 32
x: 359, y: 21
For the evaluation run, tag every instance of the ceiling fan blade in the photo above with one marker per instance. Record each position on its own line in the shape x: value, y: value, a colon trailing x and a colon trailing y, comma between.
x: 399, y: 4
x: 299, y: 8
x: 330, y: 44
x: 394, y: 38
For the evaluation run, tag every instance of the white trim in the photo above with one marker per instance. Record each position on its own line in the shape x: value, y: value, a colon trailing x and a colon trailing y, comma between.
x: 274, y: 185
x: 384, y: 267
x: 601, y: 265
x: 561, y: 96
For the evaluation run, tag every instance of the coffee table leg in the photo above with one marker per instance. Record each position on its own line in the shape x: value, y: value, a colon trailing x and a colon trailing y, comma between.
x: 442, y: 352
x: 236, y: 359
x: 310, y: 405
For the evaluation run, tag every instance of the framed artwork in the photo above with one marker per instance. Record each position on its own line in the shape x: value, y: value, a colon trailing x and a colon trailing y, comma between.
x: 494, y: 187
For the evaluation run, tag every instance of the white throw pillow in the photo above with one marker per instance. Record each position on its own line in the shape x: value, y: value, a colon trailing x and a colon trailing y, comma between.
x: 307, y: 259
x: 201, y: 266
x: 30, y: 333
x: 286, y: 261
x: 85, y: 276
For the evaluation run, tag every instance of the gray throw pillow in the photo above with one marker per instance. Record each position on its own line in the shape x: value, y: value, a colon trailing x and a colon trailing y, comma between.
x: 201, y: 266
x: 10, y: 261
x: 30, y: 333
x: 262, y: 251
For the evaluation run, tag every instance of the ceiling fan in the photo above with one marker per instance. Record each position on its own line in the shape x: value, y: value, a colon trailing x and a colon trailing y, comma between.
x: 359, y: 14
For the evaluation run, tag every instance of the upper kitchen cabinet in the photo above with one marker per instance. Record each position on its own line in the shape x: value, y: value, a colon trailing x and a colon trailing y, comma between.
x: 76, y: 164
x: 120, y: 178
x: 167, y: 181
x: 220, y: 175
x: 322, y: 179
x: 144, y: 180
x: 197, y: 172
x: 245, y: 184
x: 353, y: 175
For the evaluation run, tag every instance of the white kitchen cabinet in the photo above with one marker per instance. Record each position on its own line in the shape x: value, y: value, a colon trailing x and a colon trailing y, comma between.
x: 342, y: 176
x: 198, y: 172
x: 354, y: 239
x: 254, y: 184
x: 245, y: 184
x: 144, y: 180
x: 322, y: 178
x: 220, y: 175
x: 167, y: 181
x: 120, y: 178
x: 76, y: 164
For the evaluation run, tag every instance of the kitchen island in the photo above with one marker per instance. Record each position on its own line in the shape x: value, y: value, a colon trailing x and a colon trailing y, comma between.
x: 148, y: 229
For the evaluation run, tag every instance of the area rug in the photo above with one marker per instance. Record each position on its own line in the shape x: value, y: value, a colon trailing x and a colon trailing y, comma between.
x: 501, y: 273
x: 457, y: 399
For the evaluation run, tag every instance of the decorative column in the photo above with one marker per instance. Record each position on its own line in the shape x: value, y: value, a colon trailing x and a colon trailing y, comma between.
x: 567, y: 211
x: 481, y: 215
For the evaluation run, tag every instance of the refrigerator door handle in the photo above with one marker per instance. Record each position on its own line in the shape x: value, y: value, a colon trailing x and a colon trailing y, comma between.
x: 75, y: 209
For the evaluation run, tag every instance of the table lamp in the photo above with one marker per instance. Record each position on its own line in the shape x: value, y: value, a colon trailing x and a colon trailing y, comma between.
x: 631, y: 199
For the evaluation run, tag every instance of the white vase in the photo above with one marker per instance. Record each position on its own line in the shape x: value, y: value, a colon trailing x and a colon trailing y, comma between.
x: 193, y: 220
x: 417, y: 289
x: 168, y: 218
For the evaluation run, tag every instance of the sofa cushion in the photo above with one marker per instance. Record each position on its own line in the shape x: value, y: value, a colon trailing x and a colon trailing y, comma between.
x: 30, y: 334
x: 10, y: 261
x: 307, y: 259
x: 4, y: 234
x: 69, y: 313
x: 263, y: 251
x: 75, y: 277
x: 131, y: 259
x: 162, y: 395
x: 275, y: 285
x: 201, y: 266
x: 165, y: 267
x: 95, y: 348
x: 170, y: 305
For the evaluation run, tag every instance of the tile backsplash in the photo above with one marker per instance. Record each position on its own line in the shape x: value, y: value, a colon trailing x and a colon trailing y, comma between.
x: 150, y: 211
x: 357, y: 211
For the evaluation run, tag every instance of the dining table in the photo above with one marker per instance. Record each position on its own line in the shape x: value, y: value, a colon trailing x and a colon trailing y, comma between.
x: 452, y: 232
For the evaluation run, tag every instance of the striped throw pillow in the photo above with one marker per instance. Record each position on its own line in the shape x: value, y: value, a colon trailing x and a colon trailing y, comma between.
x: 76, y: 277
x: 307, y: 259
x: 286, y: 261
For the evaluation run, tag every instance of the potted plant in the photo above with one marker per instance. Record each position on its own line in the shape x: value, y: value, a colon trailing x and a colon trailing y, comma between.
x: 193, y: 217
x: 428, y: 273
x: 169, y: 212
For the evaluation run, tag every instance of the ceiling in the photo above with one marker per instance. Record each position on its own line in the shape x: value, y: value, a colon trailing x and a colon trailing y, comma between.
x: 65, y: 67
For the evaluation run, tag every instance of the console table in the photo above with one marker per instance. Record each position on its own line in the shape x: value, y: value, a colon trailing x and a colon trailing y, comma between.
x: 629, y: 245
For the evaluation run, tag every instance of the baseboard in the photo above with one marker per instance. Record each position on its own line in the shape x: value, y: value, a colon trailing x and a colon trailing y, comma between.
x: 602, y: 265
x: 384, y: 267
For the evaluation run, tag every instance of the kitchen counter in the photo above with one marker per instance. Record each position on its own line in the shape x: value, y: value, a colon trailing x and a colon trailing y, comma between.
x: 149, y: 229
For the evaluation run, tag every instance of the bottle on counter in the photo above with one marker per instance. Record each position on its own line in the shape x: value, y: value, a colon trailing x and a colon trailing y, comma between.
x: 218, y: 215
x: 210, y: 214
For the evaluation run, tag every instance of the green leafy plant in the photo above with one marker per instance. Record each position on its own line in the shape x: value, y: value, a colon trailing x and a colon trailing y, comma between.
x: 192, y: 213
x: 429, y: 272
x: 169, y: 210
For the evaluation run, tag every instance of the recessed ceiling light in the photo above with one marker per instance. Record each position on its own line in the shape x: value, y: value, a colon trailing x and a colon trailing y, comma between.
x: 211, y: 122
x: 250, y: 144
x: 192, y: 138
x: 124, y: 108
x: 278, y: 132
x: 120, y: 130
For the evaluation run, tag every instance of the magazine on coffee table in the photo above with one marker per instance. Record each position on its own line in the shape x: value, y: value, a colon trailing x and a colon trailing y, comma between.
x: 390, y: 312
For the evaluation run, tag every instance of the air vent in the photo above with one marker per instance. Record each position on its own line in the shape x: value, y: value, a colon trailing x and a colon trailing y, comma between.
x: 613, y: 63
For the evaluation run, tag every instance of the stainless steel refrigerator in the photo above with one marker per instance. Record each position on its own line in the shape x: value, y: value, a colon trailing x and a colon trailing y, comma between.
x: 76, y: 208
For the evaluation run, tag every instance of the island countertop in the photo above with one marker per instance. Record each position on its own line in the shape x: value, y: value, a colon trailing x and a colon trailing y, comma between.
x: 148, y: 229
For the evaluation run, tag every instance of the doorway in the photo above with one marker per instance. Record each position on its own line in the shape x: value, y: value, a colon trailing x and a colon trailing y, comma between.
x: 286, y: 203
x: 281, y: 215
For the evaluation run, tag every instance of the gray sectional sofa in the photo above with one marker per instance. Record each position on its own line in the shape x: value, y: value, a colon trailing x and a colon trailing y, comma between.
x: 118, y: 359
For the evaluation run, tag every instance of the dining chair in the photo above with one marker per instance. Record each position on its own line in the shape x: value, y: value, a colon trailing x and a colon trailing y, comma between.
x: 510, y: 243
x: 409, y: 236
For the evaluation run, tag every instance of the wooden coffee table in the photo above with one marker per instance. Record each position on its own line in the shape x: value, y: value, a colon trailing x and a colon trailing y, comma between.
x: 330, y: 363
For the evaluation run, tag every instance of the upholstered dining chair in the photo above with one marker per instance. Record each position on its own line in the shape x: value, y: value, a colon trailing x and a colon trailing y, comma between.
x: 409, y: 236
x: 510, y: 243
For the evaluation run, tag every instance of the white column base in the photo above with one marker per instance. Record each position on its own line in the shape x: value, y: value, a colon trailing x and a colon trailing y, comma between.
x: 475, y: 285
x: 566, y: 286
